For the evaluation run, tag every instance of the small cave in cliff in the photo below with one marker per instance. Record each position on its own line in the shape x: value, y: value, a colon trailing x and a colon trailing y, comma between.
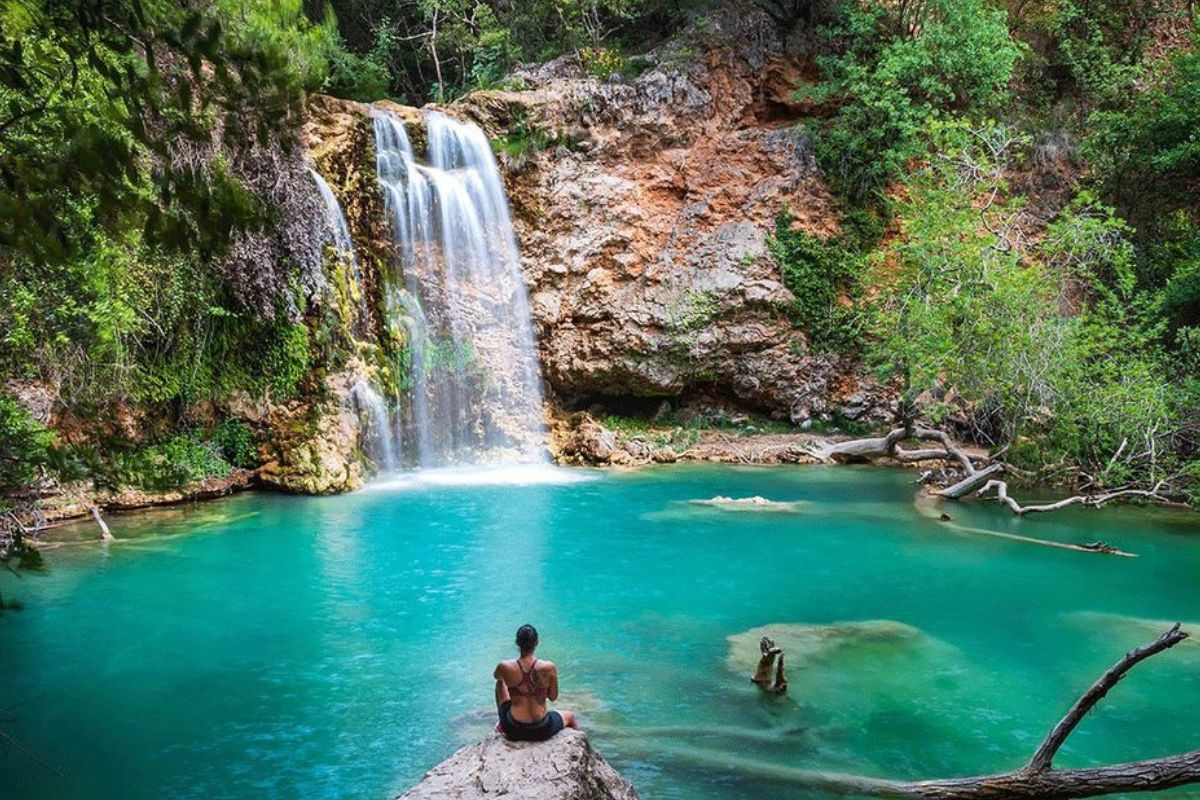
x: 599, y: 405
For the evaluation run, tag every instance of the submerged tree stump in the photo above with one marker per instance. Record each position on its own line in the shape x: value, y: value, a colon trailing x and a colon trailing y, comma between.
x: 769, y: 675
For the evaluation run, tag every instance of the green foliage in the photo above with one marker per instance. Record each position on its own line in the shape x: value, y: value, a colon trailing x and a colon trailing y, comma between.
x: 24, y: 445
x: 440, y: 49
x: 890, y: 75
x: 602, y: 61
x: 1056, y: 349
x: 174, y: 462
x: 356, y: 77
x: 522, y: 137
x: 1144, y: 148
x: 693, y: 311
x: 956, y: 308
x: 90, y: 122
x: 447, y: 355
x: 236, y: 443
x: 825, y: 277
x: 281, y: 26
x: 1093, y: 49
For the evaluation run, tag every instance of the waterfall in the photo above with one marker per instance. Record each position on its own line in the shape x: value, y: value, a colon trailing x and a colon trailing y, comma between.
x: 474, y: 384
x: 378, y: 436
x: 335, y: 223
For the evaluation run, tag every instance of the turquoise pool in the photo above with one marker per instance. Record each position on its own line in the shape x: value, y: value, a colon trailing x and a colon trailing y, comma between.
x: 268, y: 646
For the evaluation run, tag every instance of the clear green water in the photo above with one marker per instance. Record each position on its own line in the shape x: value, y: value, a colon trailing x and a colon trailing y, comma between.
x: 269, y: 646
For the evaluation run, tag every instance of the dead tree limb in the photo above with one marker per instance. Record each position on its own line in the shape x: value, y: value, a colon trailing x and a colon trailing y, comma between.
x: 889, y: 447
x: 1085, y: 500
x: 980, y: 480
x: 1037, y: 780
x: 971, y: 482
x: 1042, y: 759
x: 770, y: 664
x: 1087, y: 547
x: 105, y: 534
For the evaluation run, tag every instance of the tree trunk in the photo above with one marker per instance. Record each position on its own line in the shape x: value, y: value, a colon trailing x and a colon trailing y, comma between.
x: 971, y: 483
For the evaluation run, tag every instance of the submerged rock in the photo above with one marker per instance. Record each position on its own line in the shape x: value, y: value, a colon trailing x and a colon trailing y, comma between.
x: 563, y: 768
x: 1130, y: 632
x: 806, y: 643
x: 755, y: 503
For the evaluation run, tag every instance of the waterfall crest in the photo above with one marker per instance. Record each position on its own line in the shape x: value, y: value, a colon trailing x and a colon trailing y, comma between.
x: 471, y: 363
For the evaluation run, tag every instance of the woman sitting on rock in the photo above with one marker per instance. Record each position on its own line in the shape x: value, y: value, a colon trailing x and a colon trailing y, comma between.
x: 522, y: 687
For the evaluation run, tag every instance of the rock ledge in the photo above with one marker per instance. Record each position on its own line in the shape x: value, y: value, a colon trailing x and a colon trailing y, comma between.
x: 564, y: 768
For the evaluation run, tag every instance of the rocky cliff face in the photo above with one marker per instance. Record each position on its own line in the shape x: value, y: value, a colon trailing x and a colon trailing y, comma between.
x: 563, y: 768
x: 643, y: 209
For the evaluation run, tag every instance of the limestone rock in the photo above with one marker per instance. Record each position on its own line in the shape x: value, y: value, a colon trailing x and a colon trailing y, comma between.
x: 581, y: 439
x: 37, y: 397
x: 644, y: 231
x: 315, y: 444
x: 563, y: 768
x: 754, y: 504
x: 664, y: 455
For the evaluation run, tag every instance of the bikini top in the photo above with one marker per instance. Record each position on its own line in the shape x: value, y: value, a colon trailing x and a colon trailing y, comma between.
x: 528, y: 687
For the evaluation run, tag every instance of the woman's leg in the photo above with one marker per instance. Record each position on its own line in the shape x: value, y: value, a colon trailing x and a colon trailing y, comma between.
x: 569, y: 720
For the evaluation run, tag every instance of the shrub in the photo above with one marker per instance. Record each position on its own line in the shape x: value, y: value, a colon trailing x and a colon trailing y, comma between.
x: 890, y: 76
x: 172, y: 463
x: 824, y: 277
x: 602, y: 61
x: 236, y: 443
x: 24, y: 445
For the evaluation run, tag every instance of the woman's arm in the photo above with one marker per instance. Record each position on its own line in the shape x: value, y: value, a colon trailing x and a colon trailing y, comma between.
x: 552, y: 689
x: 502, y: 695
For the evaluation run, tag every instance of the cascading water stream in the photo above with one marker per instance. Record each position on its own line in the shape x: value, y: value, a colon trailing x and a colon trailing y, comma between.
x: 378, y: 435
x: 472, y: 363
x: 335, y: 222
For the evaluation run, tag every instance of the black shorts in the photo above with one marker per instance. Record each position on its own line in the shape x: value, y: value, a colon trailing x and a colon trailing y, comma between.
x: 539, y: 731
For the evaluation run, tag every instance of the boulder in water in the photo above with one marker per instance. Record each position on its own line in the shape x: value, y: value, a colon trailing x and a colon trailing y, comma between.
x: 810, y: 643
x: 755, y: 503
x: 563, y: 768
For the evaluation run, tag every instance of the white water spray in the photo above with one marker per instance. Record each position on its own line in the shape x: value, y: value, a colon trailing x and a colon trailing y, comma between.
x: 378, y: 434
x: 472, y: 362
x: 335, y: 223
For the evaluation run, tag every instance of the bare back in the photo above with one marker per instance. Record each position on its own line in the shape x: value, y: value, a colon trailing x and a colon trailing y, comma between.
x: 530, y: 682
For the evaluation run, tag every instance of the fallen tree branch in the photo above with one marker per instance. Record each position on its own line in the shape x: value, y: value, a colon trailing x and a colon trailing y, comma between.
x: 970, y: 483
x: 889, y: 447
x: 105, y: 534
x: 978, y: 480
x: 1042, y: 759
x: 1092, y: 547
x: 1037, y: 780
x: 1086, y: 500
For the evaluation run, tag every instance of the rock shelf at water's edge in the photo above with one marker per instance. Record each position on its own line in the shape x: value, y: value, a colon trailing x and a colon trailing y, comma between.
x: 563, y: 768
